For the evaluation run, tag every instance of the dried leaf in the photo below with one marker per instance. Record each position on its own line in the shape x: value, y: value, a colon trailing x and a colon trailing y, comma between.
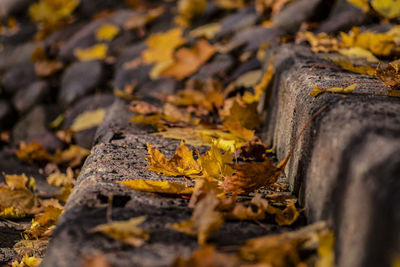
x: 98, y: 51
x: 347, y: 65
x: 207, y: 256
x: 244, y: 114
x: 326, y: 253
x: 338, y: 90
x: 128, y: 232
x: 43, y: 222
x: 390, y: 74
x: 188, y: 61
x: 21, y: 201
x: 191, y: 136
x: 387, y: 8
x: 207, y: 31
x: 251, y: 176
x: 72, y: 157
x: 201, y: 188
x: 61, y: 179
x: 358, y: 53
x: 248, y: 79
x: 106, y: 32
x: 33, y: 153
x: 230, y: 4
x: 253, y: 149
x: 64, y: 193
x: 165, y: 187
x: 188, y: 9
x: 47, y: 68
x: 181, y: 163
x: 138, y: 21
x: 27, y: 261
x: 215, y: 164
x: 88, y: 119
x: 204, y: 221
x: 144, y: 108
x: 260, y: 88
x: 321, y: 42
x: 16, y: 181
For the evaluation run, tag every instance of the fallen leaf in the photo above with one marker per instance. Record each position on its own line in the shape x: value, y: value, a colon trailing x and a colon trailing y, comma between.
x: 358, y: 53
x: 128, y: 232
x: 201, y: 188
x: 204, y: 221
x: 207, y: 31
x: 72, y: 157
x: 338, y: 90
x: 207, y: 256
x: 320, y: 43
x: 18, y: 201
x: 88, y: 119
x: 96, y: 260
x: 27, y: 261
x: 188, y: 9
x: 188, y: 61
x: 161, y: 48
x: 326, y: 252
x: 191, y: 136
x: 244, y: 114
x: 165, y: 187
x: 230, y: 4
x: 61, y: 179
x: 106, y: 32
x: 138, y: 21
x: 215, y: 164
x: 248, y: 79
x: 33, y: 153
x: 260, y: 87
x: 362, y: 69
x: 96, y: 52
x: 42, y: 222
x: 387, y: 8
x: 64, y: 193
x: 143, y: 108
x: 253, y: 149
x: 16, y: 181
x: 390, y: 74
x: 181, y: 163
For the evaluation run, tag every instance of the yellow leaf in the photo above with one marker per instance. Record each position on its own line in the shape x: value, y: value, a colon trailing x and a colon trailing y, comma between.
x: 188, y: 9
x: 358, y: 52
x: 189, y: 135
x: 88, y: 119
x: 347, y: 65
x: 128, y: 232
x: 161, y: 47
x: 165, y: 187
x: 107, y: 32
x: 249, y: 79
x: 326, y: 253
x: 321, y: 42
x: 362, y: 4
x: 27, y: 261
x: 260, y: 88
x: 204, y: 221
x: 20, y: 200
x: 160, y: 121
x: 387, y: 8
x: 98, y: 51
x: 215, y: 164
x: 188, y: 61
x: 181, y: 163
x: 12, y: 213
x: 16, y: 181
x: 338, y: 90
x: 64, y: 193
x: 390, y: 74
x: 43, y: 222
x: 72, y: 157
x: 33, y: 153
x: 230, y: 4
x: 208, y: 31
x: 61, y: 179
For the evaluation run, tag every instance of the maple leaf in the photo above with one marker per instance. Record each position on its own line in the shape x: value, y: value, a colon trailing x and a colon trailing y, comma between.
x: 98, y: 51
x: 339, y: 90
x: 161, y: 47
x: 165, y: 187
x: 88, y: 119
x: 64, y: 193
x: 33, y: 153
x: 128, y: 232
x: 204, y: 221
x: 188, y: 9
x: 187, y: 61
x: 215, y: 164
x: 16, y: 181
x: 106, y: 32
x: 42, y: 222
x: 201, y: 188
x: 390, y: 74
x: 181, y: 163
x: 245, y: 114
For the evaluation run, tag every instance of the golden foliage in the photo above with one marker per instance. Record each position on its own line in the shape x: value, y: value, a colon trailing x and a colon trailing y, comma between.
x: 387, y: 8
x: 128, y: 232
x: 88, y: 119
x: 362, y: 69
x: 215, y: 164
x: 390, y: 74
x: 338, y: 90
x: 188, y: 9
x: 106, y: 32
x: 138, y: 21
x: 43, y: 222
x: 181, y: 163
x: 96, y: 52
x: 165, y: 187
x: 27, y: 261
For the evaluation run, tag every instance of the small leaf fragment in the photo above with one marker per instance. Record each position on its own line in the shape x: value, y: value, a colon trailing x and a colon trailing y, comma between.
x: 98, y: 51
x: 106, y: 32
x: 339, y: 90
x: 165, y: 187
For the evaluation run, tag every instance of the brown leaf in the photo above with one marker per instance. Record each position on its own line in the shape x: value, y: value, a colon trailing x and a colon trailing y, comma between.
x: 390, y: 74
x: 253, y: 149
x: 207, y: 256
x: 143, y: 108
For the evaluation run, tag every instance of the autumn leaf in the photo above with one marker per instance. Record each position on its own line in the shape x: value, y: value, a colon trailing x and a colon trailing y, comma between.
x: 138, y: 21
x: 201, y: 188
x: 106, y: 32
x: 207, y: 256
x: 98, y: 51
x: 188, y: 9
x: 181, y: 163
x: 161, y: 48
x: 143, y: 108
x: 204, y: 221
x: 61, y: 179
x: 338, y: 90
x: 248, y: 79
x: 215, y: 164
x: 17, y: 201
x: 261, y: 86
x: 387, y: 8
x: 321, y: 42
x: 244, y: 114
x: 165, y: 187
x: 128, y: 232
x: 33, y: 153
x: 188, y: 60
x: 238, y: 130
x: 48, y: 67
x: 390, y: 74
x: 253, y: 149
x: 27, y: 261
x: 362, y: 4
x: 358, y: 53
x: 207, y: 31
x: 230, y: 4
x: 191, y: 136
x: 362, y: 69
x: 16, y: 181
x: 72, y: 157
x: 88, y: 119
x: 326, y: 252
x: 64, y: 193
x: 42, y: 222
